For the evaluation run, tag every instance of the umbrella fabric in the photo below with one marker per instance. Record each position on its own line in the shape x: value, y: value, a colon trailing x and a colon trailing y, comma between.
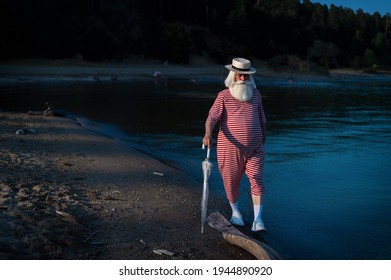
x: 207, y: 169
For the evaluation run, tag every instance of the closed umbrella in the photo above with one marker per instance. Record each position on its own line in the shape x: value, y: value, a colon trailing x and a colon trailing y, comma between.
x: 207, y: 169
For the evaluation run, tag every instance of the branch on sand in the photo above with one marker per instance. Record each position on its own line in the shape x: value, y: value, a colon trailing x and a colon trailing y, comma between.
x: 258, y: 249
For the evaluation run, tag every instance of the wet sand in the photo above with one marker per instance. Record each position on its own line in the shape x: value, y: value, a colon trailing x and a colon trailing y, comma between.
x: 69, y: 193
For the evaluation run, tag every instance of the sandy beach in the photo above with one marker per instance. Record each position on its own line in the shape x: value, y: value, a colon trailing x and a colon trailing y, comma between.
x: 69, y: 193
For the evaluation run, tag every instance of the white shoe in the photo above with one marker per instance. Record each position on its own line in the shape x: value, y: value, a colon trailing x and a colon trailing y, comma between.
x: 238, y: 221
x: 258, y: 226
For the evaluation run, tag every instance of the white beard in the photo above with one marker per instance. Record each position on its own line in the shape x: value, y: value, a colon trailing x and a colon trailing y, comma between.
x: 242, y: 90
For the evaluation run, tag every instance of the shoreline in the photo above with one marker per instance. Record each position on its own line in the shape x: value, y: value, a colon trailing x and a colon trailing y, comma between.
x: 198, y: 69
x: 70, y: 193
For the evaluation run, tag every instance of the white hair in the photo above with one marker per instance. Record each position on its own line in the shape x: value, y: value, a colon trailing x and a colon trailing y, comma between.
x: 230, y: 80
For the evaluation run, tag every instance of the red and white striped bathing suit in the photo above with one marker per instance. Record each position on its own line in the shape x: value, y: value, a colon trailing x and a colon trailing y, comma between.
x: 239, y: 144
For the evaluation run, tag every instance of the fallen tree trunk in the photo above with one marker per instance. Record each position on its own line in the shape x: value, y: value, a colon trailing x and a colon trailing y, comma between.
x: 258, y: 249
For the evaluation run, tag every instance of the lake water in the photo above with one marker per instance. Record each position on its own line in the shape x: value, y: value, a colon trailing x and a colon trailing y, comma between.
x: 328, y: 151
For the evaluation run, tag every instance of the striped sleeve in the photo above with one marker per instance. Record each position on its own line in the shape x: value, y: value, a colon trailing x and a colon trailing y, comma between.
x: 216, y: 110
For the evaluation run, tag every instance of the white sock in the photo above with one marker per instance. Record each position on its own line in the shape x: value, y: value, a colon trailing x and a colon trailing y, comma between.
x: 235, y: 210
x: 258, y: 208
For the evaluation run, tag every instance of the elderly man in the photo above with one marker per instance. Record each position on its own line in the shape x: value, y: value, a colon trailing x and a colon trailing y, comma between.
x: 241, y: 138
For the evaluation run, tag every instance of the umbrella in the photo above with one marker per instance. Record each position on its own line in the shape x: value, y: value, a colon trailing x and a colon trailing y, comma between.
x: 207, y: 169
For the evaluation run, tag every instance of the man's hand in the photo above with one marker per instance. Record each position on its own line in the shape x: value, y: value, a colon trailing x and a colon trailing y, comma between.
x: 207, y: 141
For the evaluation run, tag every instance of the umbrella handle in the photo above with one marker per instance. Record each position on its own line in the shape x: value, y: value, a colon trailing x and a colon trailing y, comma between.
x: 207, y: 152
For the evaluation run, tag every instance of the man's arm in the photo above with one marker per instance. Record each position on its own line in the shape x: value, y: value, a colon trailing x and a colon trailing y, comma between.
x: 207, y: 141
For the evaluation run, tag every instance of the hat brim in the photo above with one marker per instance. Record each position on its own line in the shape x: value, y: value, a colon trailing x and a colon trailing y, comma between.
x: 251, y: 71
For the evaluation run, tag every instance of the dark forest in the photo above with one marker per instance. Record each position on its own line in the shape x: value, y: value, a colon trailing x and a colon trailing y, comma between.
x: 277, y: 31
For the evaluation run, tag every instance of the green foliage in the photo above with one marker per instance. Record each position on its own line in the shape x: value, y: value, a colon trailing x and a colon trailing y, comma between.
x: 293, y: 63
x: 177, y: 42
x: 323, y: 53
x: 174, y: 30
x: 370, y: 58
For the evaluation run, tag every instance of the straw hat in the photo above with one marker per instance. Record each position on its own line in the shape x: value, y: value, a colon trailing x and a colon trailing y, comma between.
x: 241, y: 66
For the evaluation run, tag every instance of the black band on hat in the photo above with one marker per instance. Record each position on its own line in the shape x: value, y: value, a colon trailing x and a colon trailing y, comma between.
x: 240, y: 69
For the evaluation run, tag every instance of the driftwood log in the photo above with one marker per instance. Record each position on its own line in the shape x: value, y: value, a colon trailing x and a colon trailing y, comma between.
x: 49, y: 111
x: 255, y: 247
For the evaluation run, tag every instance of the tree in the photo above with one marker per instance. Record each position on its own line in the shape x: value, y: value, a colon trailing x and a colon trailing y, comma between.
x: 370, y: 58
x: 379, y: 42
x: 323, y: 53
x: 177, y: 42
x: 103, y: 29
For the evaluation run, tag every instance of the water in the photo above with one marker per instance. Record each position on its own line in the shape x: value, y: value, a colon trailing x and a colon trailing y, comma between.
x: 328, y: 153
